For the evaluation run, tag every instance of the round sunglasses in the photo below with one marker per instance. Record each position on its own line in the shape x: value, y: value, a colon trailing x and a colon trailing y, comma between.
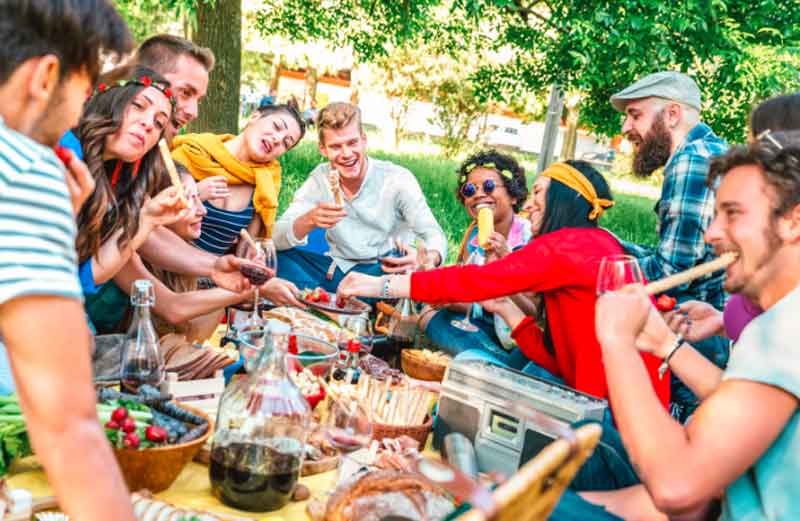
x: 470, y: 189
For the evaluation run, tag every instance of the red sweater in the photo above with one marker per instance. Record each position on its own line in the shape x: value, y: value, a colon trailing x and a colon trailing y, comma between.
x: 562, y: 265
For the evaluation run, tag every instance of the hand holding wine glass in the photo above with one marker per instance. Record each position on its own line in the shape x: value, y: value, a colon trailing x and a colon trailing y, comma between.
x: 261, y: 266
x: 616, y: 272
x: 465, y: 324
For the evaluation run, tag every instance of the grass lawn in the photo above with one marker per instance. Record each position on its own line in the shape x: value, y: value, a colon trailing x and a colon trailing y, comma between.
x: 632, y: 218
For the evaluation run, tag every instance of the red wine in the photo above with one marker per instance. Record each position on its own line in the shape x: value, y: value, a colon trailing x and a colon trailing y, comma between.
x: 256, y: 478
x: 256, y: 274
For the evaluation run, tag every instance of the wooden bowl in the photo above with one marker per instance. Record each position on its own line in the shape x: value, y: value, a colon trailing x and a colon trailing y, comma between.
x: 157, y: 468
x: 417, y: 432
x: 417, y: 366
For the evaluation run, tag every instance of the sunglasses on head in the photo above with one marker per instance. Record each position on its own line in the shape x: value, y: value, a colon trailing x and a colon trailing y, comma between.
x: 470, y: 189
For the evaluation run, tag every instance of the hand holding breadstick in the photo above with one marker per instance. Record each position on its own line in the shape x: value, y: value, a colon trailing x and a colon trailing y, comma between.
x: 336, y: 187
x: 173, y: 173
x: 689, y: 275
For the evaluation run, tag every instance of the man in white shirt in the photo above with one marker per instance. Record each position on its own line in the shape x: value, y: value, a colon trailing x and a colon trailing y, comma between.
x: 376, y: 202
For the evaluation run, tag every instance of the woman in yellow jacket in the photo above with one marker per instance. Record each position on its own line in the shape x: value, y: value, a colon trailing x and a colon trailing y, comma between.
x: 240, y: 176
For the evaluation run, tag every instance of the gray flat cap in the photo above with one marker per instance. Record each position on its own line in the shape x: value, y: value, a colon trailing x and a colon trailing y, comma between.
x: 669, y: 85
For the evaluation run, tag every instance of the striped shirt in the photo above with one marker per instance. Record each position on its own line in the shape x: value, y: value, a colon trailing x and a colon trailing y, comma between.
x: 221, y: 228
x: 37, y: 227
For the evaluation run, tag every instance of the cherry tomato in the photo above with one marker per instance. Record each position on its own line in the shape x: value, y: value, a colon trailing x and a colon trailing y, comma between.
x: 119, y: 414
x: 155, y: 434
x: 132, y: 440
x: 64, y: 154
x: 665, y: 303
x: 128, y: 425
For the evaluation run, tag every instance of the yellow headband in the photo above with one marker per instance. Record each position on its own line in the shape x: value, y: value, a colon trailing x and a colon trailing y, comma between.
x: 574, y: 179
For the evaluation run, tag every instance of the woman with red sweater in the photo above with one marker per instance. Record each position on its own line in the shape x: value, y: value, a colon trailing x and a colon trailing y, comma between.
x: 561, y: 263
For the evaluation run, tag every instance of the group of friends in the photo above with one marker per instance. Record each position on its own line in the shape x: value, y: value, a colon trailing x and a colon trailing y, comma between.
x: 87, y: 207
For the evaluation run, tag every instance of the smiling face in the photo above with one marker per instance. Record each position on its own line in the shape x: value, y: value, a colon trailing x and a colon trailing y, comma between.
x: 745, y: 223
x: 500, y: 202
x: 269, y: 137
x: 189, y: 82
x: 190, y: 228
x: 346, y: 149
x: 143, y: 122
x: 535, y: 205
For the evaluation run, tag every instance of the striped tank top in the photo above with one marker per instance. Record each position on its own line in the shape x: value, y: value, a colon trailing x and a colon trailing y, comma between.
x: 221, y: 228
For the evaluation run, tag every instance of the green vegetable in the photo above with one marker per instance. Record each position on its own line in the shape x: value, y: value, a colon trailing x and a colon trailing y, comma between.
x: 14, y: 441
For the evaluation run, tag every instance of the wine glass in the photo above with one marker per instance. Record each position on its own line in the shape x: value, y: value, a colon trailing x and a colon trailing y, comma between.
x: 347, y: 424
x: 616, y: 272
x: 465, y: 324
x: 261, y: 266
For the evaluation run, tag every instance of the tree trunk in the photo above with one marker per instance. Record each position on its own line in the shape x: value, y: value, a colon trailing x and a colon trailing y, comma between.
x: 277, y: 66
x: 219, y: 27
x: 311, y: 85
x: 571, y: 135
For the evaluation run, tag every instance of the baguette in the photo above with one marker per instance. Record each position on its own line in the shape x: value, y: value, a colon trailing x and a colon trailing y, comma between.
x: 173, y: 173
x: 667, y: 283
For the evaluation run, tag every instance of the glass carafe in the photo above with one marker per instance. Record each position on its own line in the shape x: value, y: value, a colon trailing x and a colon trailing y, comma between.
x: 141, y: 358
x: 260, y: 435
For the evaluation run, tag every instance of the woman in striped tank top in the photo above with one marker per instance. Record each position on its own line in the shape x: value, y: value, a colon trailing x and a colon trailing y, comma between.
x: 240, y: 176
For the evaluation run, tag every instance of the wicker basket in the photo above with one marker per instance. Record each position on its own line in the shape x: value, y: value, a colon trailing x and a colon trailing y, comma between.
x: 157, y: 468
x: 421, y: 368
x: 417, y: 432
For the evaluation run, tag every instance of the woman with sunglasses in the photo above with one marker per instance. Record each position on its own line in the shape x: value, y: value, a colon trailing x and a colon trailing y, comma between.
x: 495, y: 181
x: 561, y: 263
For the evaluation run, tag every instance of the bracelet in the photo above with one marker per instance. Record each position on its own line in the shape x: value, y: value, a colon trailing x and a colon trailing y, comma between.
x: 387, y: 282
x: 665, y: 364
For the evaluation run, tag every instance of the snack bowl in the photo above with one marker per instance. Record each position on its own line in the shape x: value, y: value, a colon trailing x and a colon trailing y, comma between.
x: 314, y: 354
x: 156, y: 468
x: 416, y: 365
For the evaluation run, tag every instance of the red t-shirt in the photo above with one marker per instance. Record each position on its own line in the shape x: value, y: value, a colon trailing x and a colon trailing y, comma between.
x: 562, y: 265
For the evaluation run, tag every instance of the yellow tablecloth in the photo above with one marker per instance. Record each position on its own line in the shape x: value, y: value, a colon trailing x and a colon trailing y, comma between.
x: 191, y: 490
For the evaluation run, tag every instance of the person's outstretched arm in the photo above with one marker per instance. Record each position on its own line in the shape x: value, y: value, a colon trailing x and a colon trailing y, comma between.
x: 51, y: 367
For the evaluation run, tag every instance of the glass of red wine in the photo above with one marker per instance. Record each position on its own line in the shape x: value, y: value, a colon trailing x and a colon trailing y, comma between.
x: 260, y: 267
x: 347, y: 425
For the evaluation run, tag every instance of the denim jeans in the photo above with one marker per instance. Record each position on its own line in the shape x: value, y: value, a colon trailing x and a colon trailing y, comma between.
x: 308, y: 270
x: 455, y: 341
x: 683, y: 401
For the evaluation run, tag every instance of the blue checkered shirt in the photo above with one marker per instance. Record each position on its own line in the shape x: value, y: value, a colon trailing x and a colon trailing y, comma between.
x: 685, y: 211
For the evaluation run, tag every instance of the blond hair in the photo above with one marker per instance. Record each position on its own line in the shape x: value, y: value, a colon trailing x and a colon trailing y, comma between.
x: 336, y: 116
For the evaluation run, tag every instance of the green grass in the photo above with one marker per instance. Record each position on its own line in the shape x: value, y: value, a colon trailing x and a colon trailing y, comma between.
x: 632, y: 218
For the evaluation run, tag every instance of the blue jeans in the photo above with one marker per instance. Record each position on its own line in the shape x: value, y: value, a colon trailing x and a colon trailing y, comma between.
x: 455, y: 341
x: 308, y: 270
x: 683, y: 401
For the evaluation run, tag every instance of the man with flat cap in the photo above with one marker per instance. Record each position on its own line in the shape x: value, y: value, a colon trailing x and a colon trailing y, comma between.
x: 662, y: 120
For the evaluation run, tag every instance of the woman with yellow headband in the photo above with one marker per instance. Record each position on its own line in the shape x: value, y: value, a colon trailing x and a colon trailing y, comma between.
x: 561, y: 263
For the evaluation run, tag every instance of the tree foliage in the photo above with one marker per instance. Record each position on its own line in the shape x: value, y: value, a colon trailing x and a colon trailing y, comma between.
x: 740, y: 51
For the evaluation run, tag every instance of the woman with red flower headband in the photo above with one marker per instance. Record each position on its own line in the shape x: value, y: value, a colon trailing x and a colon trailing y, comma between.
x: 120, y: 126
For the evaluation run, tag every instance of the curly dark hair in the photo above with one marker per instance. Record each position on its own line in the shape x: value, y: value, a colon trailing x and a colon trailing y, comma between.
x: 778, y: 157
x: 517, y: 186
x: 108, y: 208
x: 776, y: 114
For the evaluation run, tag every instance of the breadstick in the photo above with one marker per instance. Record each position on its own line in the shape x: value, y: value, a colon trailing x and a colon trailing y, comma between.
x: 333, y: 179
x: 689, y: 275
x: 249, y: 238
x: 390, y: 416
x: 173, y: 173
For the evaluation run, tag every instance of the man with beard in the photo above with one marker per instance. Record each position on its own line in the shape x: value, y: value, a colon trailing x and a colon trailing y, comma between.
x: 50, y: 56
x: 662, y: 120
x: 362, y: 203
x: 745, y: 437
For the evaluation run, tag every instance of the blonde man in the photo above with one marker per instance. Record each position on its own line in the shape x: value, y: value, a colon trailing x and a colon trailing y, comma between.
x: 360, y: 203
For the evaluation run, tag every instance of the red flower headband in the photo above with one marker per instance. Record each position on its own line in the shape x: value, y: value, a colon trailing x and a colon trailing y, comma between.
x: 144, y: 81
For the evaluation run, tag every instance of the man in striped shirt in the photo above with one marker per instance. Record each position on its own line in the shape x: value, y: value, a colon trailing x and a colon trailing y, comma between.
x: 49, y: 58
